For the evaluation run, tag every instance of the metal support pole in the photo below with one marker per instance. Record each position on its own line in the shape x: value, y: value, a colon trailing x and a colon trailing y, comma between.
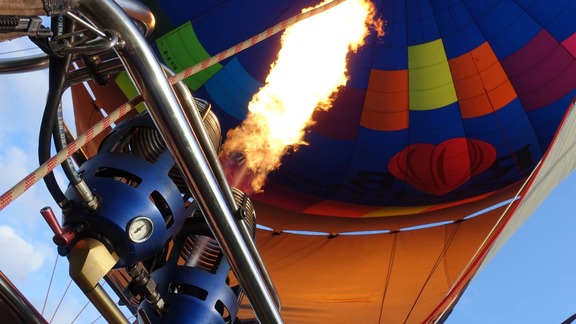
x: 214, y: 163
x: 170, y: 119
x: 14, y: 299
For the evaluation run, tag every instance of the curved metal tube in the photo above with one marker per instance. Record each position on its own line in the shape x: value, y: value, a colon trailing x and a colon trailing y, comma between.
x: 135, y: 9
x: 195, y: 120
x: 24, y: 64
x: 170, y: 119
x: 140, y: 13
x: 13, y: 299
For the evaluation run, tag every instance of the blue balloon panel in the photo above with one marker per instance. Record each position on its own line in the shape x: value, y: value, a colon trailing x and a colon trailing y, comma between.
x: 458, y: 99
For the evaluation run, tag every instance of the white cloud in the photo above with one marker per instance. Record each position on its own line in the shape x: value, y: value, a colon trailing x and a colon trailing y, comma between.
x: 21, y: 258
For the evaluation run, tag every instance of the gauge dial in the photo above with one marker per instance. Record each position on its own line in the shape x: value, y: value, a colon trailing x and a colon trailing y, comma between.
x: 140, y: 229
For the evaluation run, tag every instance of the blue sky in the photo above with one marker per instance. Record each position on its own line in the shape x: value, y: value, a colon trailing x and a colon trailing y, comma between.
x: 26, y: 249
x: 531, y: 280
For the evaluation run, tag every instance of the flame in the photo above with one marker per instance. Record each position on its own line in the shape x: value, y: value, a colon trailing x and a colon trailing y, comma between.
x: 310, y: 68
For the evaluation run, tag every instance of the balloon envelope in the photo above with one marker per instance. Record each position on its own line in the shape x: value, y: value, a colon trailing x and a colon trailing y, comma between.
x: 458, y: 99
x: 412, y: 176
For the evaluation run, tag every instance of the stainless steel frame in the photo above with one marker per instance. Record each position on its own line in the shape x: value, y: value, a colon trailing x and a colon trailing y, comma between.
x: 183, y: 143
x: 16, y: 304
x: 24, y: 64
x: 195, y: 119
x: 135, y: 9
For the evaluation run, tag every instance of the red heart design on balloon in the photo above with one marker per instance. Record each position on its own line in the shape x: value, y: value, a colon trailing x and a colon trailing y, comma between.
x: 439, y: 169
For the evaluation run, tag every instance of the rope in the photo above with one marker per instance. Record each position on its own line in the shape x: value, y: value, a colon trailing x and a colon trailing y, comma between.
x: 47, y: 167
x: 61, y: 300
x: 78, y: 315
x: 49, y: 285
x: 251, y: 41
x: 9, y: 196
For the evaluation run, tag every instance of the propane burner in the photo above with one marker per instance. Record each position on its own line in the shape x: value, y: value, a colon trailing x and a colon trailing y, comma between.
x: 144, y: 200
x: 195, y: 282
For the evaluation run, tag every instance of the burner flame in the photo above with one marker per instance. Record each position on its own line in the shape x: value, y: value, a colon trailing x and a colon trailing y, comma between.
x: 309, y: 71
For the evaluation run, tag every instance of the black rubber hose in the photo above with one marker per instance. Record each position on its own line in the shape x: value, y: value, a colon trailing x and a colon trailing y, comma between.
x: 59, y: 136
x: 56, y: 80
x: 570, y: 319
x: 59, y: 132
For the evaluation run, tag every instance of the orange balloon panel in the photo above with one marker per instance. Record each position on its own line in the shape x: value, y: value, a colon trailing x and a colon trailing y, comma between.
x: 397, y: 277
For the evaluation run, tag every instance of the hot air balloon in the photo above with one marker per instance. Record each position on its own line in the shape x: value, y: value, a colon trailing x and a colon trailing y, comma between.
x: 406, y: 184
x: 451, y: 129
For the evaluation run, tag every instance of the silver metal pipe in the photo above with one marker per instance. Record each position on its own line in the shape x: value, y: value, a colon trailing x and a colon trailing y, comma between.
x: 82, y: 74
x: 11, y: 297
x: 140, y: 13
x: 212, y: 158
x: 24, y: 64
x: 170, y: 119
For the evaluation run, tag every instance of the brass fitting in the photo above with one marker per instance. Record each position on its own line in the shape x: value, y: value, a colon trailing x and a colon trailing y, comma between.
x: 90, y: 261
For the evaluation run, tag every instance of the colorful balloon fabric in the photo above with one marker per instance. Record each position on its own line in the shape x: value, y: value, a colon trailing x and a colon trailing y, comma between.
x: 458, y: 99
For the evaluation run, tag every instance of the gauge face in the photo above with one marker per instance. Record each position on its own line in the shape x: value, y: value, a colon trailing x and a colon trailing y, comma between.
x: 140, y: 229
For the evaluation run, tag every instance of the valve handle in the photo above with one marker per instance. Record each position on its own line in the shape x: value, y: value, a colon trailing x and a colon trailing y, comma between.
x: 62, y: 236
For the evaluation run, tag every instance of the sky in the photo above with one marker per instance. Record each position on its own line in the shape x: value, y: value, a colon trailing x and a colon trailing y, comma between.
x: 531, y: 280
x: 27, y: 253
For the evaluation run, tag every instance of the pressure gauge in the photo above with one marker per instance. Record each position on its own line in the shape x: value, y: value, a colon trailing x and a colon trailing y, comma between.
x: 140, y: 229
